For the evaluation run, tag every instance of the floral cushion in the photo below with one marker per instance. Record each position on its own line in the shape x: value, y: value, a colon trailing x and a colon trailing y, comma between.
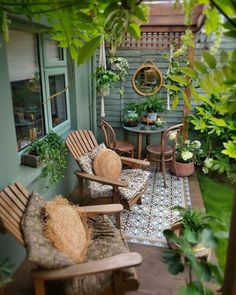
x: 106, y: 241
x: 85, y: 161
x: 40, y: 249
x: 136, y: 179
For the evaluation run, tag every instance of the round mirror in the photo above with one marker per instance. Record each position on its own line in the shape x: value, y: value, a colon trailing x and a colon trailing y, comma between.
x: 147, y: 80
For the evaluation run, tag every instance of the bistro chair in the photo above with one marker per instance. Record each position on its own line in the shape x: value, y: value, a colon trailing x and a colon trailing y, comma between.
x: 127, y: 189
x: 165, y: 152
x: 119, y: 146
x: 114, y: 270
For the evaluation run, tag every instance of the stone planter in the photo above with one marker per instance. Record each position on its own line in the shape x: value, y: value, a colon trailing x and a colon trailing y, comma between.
x: 183, y: 169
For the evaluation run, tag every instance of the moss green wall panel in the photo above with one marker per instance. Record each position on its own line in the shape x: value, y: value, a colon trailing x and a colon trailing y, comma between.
x: 8, y: 154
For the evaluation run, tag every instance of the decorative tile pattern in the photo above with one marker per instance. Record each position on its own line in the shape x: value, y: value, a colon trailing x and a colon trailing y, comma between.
x: 145, y: 223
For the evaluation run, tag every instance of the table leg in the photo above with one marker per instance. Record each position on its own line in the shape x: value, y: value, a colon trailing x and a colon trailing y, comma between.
x: 140, y: 146
x: 126, y: 135
x: 147, y: 139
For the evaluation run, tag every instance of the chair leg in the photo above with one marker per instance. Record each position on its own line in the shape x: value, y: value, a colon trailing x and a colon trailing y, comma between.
x: 132, y: 153
x: 163, y: 170
x: 139, y: 202
x: 119, y: 283
x: 39, y: 287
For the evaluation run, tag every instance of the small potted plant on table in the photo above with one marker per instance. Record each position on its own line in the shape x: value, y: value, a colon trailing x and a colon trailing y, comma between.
x: 153, y: 105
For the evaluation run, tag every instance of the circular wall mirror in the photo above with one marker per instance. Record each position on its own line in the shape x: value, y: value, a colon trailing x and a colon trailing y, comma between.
x: 147, y: 80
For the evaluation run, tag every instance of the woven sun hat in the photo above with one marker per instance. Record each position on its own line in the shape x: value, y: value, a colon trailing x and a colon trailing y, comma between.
x: 107, y: 164
x: 66, y: 229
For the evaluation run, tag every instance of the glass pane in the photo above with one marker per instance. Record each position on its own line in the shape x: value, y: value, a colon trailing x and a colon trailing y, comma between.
x: 52, y: 51
x: 23, y: 64
x: 58, y: 102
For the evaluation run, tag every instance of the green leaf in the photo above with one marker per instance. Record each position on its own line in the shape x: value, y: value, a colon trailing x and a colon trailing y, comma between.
x: 223, y: 57
x: 186, y: 100
x: 188, y: 72
x: 218, y: 122
x: 175, y: 102
x: 190, y: 236
x: 207, y: 239
x: 88, y: 50
x: 230, y: 149
x: 170, y: 235
x: 179, y: 79
x: 140, y: 13
x: 194, y: 92
x: 74, y: 52
x: 200, y: 67
x: 134, y: 30
x: 231, y: 33
x: 176, y: 268
x: 209, y: 59
x: 172, y: 87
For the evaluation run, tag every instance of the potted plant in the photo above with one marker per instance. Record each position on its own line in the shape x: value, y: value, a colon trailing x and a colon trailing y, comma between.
x: 52, y: 152
x: 104, y: 80
x: 121, y: 66
x: 154, y: 104
x: 190, y: 240
x: 186, y: 156
x: 131, y: 114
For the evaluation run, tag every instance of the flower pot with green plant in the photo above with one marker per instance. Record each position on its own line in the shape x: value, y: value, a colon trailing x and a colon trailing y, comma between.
x: 153, y: 105
x: 187, y: 153
x: 51, y: 151
x: 104, y: 80
x: 131, y: 114
x: 191, y: 240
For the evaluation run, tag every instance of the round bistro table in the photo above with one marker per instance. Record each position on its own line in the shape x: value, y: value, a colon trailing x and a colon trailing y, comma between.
x: 143, y: 129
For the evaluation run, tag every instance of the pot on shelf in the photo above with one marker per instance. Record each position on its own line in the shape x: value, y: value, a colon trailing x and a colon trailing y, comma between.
x: 183, y: 169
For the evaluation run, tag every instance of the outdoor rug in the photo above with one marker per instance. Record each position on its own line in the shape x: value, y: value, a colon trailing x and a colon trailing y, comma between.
x: 145, y: 223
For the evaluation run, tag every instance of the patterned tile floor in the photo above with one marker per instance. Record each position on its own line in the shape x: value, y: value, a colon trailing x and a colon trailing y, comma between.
x: 144, y: 223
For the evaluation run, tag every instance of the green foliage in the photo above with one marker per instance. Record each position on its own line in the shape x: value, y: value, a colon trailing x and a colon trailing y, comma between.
x: 218, y: 200
x: 154, y: 103
x: 78, y: 25
x: 53, y: 153
x: 121, y: 67
x: 195, y: 234
x: 188, y: 151
x: 5, y: 271
x: 104, y: 79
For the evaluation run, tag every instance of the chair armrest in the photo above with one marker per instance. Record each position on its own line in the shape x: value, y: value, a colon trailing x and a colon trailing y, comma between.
x: 90, y: 211
x: 134, y: 163
x: 101, y: 179
x: 92, y: 267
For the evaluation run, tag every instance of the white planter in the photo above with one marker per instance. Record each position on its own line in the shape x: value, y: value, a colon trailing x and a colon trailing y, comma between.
x: 152, y: 116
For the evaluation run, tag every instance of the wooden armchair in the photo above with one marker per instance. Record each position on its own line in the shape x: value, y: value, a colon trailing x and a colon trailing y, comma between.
x: 133, y: 181
x: 13, y: 203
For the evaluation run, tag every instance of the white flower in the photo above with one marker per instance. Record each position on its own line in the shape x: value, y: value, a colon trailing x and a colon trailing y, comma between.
x: 196, y: 144
x: 208, y: 162
x: 172, y: 135
x: 186, y: 155
x: 187, y: 142
x: 205, y: 170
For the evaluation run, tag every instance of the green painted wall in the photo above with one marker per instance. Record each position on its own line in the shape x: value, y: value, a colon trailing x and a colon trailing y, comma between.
x: 81, y: 106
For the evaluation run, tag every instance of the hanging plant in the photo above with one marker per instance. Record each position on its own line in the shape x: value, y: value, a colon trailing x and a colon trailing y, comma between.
x: 104, y: 80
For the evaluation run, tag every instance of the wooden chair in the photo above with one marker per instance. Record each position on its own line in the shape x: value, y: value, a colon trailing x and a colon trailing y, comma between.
x: 13, y: 203
x: 165, y: 152
x: 83, y: 141
x: 119, y: 146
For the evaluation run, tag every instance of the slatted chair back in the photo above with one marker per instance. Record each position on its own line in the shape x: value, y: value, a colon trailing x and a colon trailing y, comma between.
x: 80, y: 142
x: 13, y: 203
x: 109, y: 135
x: 176, y: 130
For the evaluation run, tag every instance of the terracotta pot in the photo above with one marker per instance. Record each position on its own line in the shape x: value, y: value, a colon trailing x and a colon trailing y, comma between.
x: 183, y: 169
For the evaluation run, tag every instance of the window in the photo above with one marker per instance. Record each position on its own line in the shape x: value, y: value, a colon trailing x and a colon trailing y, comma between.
x: 38, y: 76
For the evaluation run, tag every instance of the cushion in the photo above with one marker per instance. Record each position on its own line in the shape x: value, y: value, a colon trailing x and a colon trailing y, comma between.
x: 40, y: 249
x: 85, y: 161
x: 108, y: 164
x: 106, y: 241
x: 66, y: 229
x: 136, y: 178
